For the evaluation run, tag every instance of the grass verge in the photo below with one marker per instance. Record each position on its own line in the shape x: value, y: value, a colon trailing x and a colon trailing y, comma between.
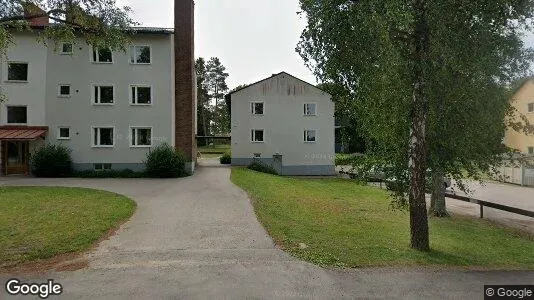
x: 42, y: 222
x: 336, y: 222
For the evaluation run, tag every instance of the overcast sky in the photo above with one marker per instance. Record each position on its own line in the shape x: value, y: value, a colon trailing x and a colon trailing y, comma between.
x: 253, y: 38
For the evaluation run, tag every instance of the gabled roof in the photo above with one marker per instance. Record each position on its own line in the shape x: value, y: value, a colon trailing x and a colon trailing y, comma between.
x: 229, y: 95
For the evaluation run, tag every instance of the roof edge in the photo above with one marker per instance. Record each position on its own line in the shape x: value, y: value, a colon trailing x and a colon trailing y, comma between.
x: 229, y: 95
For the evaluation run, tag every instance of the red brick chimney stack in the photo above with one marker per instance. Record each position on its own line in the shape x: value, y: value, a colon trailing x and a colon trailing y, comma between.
x: 31, y: 10
x: 185, y: 111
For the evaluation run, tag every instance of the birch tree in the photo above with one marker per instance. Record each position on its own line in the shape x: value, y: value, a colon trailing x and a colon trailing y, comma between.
x: 399, y: 60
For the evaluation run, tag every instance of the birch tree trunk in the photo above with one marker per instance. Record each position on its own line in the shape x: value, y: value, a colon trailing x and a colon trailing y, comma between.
x: 417, y: 144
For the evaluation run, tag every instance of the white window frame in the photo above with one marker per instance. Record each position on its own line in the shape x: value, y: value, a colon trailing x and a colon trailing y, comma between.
x: 529, y: 106
x: 133, y: 143
x: 59, y: 137
x: 139, y: 46
x: 59, y: 90
x: 253, y: 135
x: 98, y: 135
x: 91, y: 56
x: 304, y: 109
x: 94, y: 97
x: 27, y: 115
x: 71, y: 49
x: 17, y: 81
x: 305, y: 136
x: 103, y: 167
x: 252, y: 108
x: 133, y: 97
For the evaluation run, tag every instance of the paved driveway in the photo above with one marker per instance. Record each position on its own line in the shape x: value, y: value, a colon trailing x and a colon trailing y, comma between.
x: 198, y: 238
x: 506, y: 194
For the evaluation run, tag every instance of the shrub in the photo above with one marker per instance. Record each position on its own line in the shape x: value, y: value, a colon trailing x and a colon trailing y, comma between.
x: 51, y: 161
x: 165, y: 162
x: 261, y: 167
x: 226, y: 159
x: 126, y: 173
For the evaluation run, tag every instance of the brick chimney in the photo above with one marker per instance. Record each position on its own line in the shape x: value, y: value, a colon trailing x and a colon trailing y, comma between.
x: 185, y: 91
x: 31, y: 10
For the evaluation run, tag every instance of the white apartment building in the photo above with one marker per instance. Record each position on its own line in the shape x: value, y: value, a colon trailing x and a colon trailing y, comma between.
x: 110, y: 108
x: 284, y: 122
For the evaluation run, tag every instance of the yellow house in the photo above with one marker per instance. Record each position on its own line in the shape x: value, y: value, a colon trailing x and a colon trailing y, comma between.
x: 523, y: 101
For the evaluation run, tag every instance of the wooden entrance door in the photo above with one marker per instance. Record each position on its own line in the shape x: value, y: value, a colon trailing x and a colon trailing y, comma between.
x: 16, y: 157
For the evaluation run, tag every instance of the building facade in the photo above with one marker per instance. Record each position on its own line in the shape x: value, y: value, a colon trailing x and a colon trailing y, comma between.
x: 284, y: 122
x: 523, y: 101
x: 109, y: 107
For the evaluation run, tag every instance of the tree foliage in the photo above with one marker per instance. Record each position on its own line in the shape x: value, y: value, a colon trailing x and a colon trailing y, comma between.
x: 213, y: 115
x: 100, y: 22
x: 429, y: 78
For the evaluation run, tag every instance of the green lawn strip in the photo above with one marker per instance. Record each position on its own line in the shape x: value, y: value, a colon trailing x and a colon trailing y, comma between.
x: 214, y: 149
x: 41, y: 222
x: 346, y: 224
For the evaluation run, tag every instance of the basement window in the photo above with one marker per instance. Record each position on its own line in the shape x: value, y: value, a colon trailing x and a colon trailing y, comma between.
x: 102, y: 167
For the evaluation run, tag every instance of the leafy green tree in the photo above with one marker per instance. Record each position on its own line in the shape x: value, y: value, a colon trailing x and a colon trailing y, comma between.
x: 216, y: 86
x: 204, y: 114
x: 346, y: 117
x: 400, y: 60
x: 100, y: 22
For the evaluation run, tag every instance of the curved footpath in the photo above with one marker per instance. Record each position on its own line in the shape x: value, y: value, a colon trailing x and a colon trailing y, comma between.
x: 198, y: 238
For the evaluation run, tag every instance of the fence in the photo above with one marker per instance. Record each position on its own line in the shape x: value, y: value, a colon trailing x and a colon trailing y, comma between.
x: 482, y: 203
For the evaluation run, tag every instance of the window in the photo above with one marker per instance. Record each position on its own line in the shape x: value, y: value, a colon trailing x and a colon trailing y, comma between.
x: 103, y: 137
x: 102, y: 167
x: 530, y: 150
x: 102, y: 56
x: 17, y: 71
x: 66, y: 48
x: 140, y: 54
x: 141, y: 137
x: 531, y: 107
x: 310, y: 136
x: 257, y: 155
x: 257, y: 136
x: 103, y: 94
x: 64, y: 90
x: 257, y: 108
x: 141, y: 95
x: 63, y: 133
x: 310, y: 109
x: 17, y: 115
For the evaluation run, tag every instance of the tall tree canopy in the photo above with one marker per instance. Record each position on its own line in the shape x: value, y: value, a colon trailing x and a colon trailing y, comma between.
x: 216, y: 84
x: 101, y: 22
x: 213, y: 115
x: 429, y: 79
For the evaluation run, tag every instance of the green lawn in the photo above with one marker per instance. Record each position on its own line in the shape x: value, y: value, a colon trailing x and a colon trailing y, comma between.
x: 213, y: 151
x: 41, y: 222
x: 346, y: 224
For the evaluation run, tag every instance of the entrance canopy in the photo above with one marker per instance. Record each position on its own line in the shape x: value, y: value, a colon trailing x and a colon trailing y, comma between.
x: 22, y: 133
